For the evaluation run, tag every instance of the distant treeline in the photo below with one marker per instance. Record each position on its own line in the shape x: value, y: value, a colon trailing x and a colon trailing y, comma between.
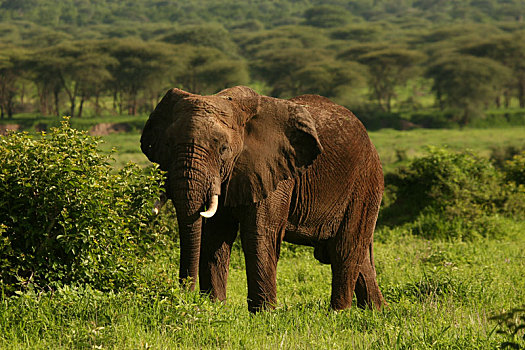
x: 459, y: 57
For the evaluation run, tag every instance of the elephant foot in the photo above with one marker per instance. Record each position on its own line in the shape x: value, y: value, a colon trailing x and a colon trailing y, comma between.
x: 255, y: 307
x: 366, y: 288
x: 368, y: 294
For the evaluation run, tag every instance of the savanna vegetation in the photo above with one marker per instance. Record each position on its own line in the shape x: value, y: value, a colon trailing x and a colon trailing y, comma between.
x: 433, y: 63
x: 83, y: 262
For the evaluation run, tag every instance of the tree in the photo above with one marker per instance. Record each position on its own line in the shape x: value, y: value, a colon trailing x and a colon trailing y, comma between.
x: 10, y: 71
x: 509, y: 50
x: 208, y: 70
x: 252, y: 44
x: 44, y: 70
x: 330, y: 78
x: 90, y: 75
x: 82, y: 70
x: 389, y: 68
x: 361, y: 32
x: 207, y: 35
x: 467, y: 83
x: 280, y: 68
x: 140, y: 65
x: 327, y: 16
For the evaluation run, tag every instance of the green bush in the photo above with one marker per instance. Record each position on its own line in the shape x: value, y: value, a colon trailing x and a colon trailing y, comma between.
x: 451, y: 195
x: 514, y: 169
x: 66, y: 216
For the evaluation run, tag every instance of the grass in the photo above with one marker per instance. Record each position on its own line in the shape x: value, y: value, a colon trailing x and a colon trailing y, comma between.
x: 395, y: 147
x: 441, y: 294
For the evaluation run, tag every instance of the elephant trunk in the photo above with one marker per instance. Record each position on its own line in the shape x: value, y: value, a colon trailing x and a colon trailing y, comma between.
x: 190, y: 245
x: 192, y: 187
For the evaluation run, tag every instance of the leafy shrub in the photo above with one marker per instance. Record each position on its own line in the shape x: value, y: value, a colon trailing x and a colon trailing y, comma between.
x: 499, y: 155
x: 514, y: 169
x: 434, y: 120
x: 67, y: 217
x: 451, y: 195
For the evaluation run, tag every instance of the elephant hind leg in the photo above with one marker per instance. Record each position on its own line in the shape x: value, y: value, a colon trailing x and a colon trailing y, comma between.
x: 366, y: 289
x: 352, y: 263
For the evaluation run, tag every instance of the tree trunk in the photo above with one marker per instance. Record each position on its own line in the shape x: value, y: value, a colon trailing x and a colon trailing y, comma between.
x: 521, y: 93
x: 97, y: 104
x: 72, y: 107
x: 80, y: 106
x: 115, y: 100
x: 57, y: 102
x: 22, y: 94
x: 506, y: 95
x: 10, y: 106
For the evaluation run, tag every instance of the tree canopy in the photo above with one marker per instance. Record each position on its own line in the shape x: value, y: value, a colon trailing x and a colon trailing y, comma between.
x: 120, y: 56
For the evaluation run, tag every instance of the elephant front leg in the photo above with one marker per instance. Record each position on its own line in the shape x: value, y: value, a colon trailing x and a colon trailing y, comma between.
x: 218, y: 236
x: 261, y: 255
x: 262, y: 231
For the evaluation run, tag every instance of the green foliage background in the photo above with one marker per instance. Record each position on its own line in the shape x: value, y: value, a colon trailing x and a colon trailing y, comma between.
x: 453, y: 61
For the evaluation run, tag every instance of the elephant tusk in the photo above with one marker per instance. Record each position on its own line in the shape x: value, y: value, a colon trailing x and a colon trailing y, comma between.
x: 214, y: 204
x: 159, y: 203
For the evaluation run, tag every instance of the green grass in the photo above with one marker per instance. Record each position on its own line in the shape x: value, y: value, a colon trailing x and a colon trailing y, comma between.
x: 441, y: 294
x: 396, y: 147
x: 391, y: 144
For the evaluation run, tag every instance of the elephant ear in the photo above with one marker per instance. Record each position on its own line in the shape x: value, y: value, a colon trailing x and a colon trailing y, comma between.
x: 280, y: 142
x: 153, y: 141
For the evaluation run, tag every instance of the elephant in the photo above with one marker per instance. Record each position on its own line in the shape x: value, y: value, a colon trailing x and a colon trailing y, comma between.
x: 302, y: 170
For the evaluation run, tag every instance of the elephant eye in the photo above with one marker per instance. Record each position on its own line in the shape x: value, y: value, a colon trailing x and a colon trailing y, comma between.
x: 223, y: 149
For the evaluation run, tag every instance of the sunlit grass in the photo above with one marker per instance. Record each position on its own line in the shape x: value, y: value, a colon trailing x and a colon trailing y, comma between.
x: 440, y: 294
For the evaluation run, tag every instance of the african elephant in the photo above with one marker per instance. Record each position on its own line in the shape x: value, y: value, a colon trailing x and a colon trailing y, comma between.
x: 301, y: 170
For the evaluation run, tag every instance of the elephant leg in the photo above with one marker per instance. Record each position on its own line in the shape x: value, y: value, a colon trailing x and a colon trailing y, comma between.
x: 367, y: 290
x: 350, y: 257
x: 262, y: 231
x: 218, y: 235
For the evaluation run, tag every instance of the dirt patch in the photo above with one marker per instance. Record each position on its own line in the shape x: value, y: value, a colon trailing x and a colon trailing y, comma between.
x: 5, y: 127
x: 109, y: 128
x: 407, y: 125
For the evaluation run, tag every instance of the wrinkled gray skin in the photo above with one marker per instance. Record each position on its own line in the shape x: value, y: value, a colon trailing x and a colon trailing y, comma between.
x: 300, y: 170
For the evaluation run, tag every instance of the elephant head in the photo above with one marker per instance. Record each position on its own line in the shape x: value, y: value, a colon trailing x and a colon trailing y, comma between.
x: 236, y: 145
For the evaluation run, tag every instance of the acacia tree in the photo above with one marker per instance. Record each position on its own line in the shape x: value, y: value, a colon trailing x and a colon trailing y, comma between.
x: 44, y: 70
x: 330, y: 78
x: 389, y: 68
x: 467, y: 83
x: 509, y: 50
x: 327, y: 16
x: 139, y: 65
x: 282, y: 68
x: 207, y: 70
x: 92, y: 76
x: 10, y: 72
x: 82, y: 71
